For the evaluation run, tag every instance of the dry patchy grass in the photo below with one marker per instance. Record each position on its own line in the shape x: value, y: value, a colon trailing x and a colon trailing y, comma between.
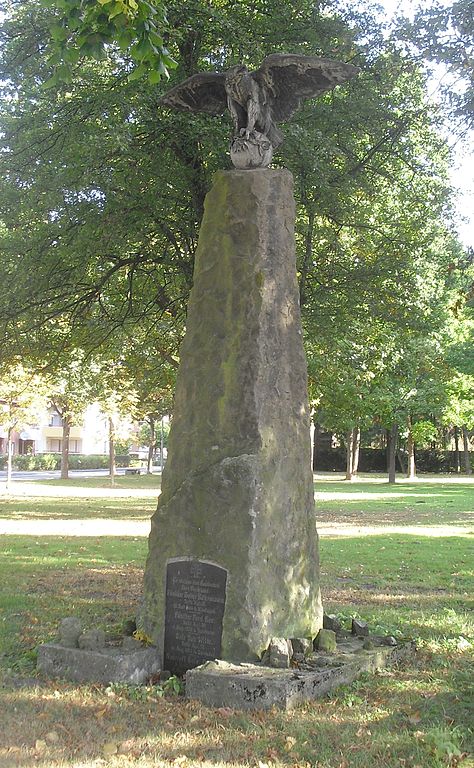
x: 416, y: 716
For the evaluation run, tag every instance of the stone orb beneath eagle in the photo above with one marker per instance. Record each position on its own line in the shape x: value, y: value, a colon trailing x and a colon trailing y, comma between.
x: 259, y: 100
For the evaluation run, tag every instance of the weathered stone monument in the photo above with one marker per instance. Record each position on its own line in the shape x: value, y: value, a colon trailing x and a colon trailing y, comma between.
x: 233, y: 558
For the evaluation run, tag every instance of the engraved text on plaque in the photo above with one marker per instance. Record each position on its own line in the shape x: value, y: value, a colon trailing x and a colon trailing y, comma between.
x: 195, y: 602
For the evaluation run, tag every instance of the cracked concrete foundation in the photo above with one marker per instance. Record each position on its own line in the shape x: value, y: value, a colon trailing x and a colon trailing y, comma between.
x: 237, y: 488
x: 253, y: 686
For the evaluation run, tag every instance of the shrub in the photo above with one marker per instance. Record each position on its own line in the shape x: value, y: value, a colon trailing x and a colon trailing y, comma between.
x: 49, y: 461
x: 122, y: 460
x: 92, y: 461
x: 24, y: 462
x: 375, y: 460
x: 45, y: 461
x: 122, y: 447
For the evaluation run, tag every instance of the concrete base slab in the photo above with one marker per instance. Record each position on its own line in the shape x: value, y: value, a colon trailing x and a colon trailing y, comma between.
x: 254, y: 686
x: 107, y: 665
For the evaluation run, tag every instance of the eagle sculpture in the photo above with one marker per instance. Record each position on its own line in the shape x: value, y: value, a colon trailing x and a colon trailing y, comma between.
x: 259, y: 100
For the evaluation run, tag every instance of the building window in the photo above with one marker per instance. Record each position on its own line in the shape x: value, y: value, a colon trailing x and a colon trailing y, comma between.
x: 55, y: 420
x: 54, y: 445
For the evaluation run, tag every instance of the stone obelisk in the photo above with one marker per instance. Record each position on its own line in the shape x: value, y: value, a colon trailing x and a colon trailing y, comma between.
x: 237, y: 489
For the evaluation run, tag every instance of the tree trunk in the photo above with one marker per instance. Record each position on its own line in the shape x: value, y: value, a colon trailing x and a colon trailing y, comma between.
x: 9, y: 457
x: 355, y: 450
x: 151, y: 447
x: 162, y: 445
x: 308, y: 254
x: 403, y: 468
x: 467, y: 458
x: 457, y: 456
x: 316, y: 434
x: 349, y: 454
x: 411, y: 468
x: 445, y: 435
x: 112, y: 468
x: 65, y: 448
x: 392, y: 452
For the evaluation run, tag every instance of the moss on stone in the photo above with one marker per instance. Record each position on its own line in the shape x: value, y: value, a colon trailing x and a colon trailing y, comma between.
x: 237, y: 487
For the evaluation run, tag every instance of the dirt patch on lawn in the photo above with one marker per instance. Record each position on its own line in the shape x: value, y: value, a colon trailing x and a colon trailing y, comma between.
x: 374, y: 596
x: 121, y: 585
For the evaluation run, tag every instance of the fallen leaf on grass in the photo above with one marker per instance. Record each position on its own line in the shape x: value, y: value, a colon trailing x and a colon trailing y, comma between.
x: 110, y: 748
x: 225, y: 711
x: 414, y: 718
x: 52, y: 737
x: 40, y: 745
x: 290, y: 743
x: 129, y: 747
x: 272, y: 753
x: 180, y: 760
x: 304, y: 765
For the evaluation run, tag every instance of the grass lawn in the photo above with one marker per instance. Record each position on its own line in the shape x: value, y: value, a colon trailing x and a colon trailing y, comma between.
x: 413, y: 585
x: 132, y: 498
x: 128, y: 482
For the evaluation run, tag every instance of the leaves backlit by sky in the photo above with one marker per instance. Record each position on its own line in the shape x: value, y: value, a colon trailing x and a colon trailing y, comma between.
x: 462, y: 172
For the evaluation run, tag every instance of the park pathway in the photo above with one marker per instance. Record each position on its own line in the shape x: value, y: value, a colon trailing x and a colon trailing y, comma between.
x: 141, y: 528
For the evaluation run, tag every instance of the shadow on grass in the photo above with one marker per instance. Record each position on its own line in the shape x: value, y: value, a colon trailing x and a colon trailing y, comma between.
x: 415, y: 713
x: 379, y: 720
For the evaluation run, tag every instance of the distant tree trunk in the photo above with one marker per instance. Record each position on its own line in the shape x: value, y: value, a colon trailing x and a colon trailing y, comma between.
x: 392, y: 452
x: 151, y: 447
x: 445, y: 435
x: 349, y: 454
x: 411, y: 467
x: 112, y: 468
x: 65, y: 448
x: 308, y: 254
x: 467, y: 458
x: 162, y: 445
x: 403, y: 468
x: 355, y: 450
x: 9, y: 457
x: 457, y: 457
x: 316, y: 434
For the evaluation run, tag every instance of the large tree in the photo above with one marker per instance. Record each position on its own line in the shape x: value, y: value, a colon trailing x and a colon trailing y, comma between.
x: 103, y: 190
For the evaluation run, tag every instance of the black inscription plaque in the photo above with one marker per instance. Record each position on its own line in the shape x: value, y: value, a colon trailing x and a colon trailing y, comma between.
x: 195, y: 602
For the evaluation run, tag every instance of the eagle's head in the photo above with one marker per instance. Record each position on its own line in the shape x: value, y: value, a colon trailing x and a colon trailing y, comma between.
x: 234, y: 75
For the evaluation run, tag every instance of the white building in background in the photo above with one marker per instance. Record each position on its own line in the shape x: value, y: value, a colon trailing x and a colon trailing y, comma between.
x: 46, y: 437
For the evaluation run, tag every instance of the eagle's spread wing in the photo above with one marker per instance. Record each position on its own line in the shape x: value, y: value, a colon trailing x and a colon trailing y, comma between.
x: 288, y: 78
x: 204, y: 92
